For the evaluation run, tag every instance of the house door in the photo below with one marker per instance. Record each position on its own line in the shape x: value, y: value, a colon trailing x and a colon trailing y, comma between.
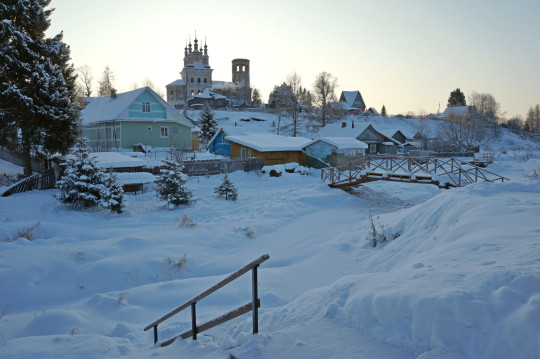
x: 242, y: 153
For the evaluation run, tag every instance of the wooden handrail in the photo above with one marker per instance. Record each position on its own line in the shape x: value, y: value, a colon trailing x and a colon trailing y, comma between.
x: 237, y: 312
x: 204, y: 294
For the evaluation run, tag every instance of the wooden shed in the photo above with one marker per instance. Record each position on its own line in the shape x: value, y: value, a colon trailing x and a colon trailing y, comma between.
x: 273, y: 148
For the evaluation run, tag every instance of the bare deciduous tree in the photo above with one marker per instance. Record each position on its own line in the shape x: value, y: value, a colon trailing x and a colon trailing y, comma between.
x: 533, y: 119
x: 86, y: 78
x: 324, y: 92
x: 461, y: 133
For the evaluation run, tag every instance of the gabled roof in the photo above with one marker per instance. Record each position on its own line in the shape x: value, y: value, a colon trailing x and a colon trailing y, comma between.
x: 236, y: 131
x: 106, y: 108
x: 352, y: 98
x: 340, y: 142
x: 266, y: 142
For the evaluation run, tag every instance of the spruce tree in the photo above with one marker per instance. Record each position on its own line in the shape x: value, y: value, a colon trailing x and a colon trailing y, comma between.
x: 227, y: 189
x: 37, y: 83
x: 82, y: 183
x: 456, y: 98
x: 208, y: 124
x: 171, y: 185
x: 383, y: 111
x: 112, y: 195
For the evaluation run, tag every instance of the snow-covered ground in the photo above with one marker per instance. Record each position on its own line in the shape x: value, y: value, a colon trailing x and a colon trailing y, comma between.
x: 462, y: 279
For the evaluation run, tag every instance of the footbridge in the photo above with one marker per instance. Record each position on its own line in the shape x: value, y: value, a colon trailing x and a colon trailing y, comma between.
x: 442, y: 172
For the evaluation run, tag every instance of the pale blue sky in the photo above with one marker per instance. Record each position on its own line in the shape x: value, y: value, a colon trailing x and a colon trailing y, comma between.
x: 408, y: 55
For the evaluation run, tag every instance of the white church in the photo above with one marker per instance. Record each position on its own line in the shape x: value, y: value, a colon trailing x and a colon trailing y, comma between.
x: 196, y: 86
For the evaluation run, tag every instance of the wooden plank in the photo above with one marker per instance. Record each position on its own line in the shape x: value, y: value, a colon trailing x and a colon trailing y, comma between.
x: 219, y: 285
x: 212, y: 323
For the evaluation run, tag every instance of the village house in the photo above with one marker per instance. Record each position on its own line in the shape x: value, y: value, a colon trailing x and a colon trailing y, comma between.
x: 352, y: 102
x: 378, y: 143
x: 219, y: 145
x: 141, y: 116
x: 335, y: 150
x: 275, y: 149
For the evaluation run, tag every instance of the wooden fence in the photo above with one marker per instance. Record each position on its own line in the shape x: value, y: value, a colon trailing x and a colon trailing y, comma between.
x: 250, y: 307
x: 217, y: 166
x: 41, y: 180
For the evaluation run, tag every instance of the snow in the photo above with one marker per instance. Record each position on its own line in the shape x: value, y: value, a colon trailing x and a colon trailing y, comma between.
x: 106, y: 160
x: 460, y: 281
x: 266, y: 142
x: 8, y: 168
x: 340, y: 142
x: 135, y: 177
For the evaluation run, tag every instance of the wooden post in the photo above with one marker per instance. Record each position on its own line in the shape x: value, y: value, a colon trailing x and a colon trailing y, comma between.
x: 193, y: 321
x: 155, y: 335
x: 254, y: 300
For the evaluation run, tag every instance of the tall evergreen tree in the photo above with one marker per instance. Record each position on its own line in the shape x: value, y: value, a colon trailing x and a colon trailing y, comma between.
x: 171, y: 185
x: 383, y: 111
x: 227, y: 189
x: 37, y: 83
x: 456, y: 98
x: 106, y: 83
x: 208, y: 124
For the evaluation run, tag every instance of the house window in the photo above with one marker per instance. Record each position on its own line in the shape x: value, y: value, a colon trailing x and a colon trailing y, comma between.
x: 199, y: 80
x: 373, y: 148
x: 194, y: 136
x: 192, y: 92
x: 243, y: 153
x: 192, y: 80
x: 146, y: 106
x: 149, y: 128
x: 174, y: 130
x: 198, y: 92
x: 171, y: 92
x: 205, y: 80
x: 249, y: 152
x: 164, y: 132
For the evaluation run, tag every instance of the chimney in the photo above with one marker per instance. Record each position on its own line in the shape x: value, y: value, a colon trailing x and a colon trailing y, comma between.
x: 113, y: 94
x: 343, y: 124
x: 352, y: 124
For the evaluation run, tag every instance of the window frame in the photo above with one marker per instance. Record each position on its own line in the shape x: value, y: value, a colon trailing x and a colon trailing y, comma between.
x: 164, y: 131
x: 146, y: 106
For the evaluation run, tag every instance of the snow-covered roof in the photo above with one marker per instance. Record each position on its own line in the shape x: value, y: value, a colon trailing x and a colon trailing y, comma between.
x: 350, y: 97
x: 115, y: 160
x: 266, y: 142
x: 178, y: 82
x: 340, y: 142
x: 106, y: 108
x: 135, y: 177
x: 338, y: 130
x: 207, y: 93
x: 456, y: 111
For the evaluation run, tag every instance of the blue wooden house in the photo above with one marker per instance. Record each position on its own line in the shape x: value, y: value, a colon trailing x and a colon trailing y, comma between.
x: 218, y: 145
x: 135, y: 117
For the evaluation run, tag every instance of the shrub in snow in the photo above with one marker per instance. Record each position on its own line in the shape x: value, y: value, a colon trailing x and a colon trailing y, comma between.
x: 86, y: 185
x: 112, y: 194
x: 171, y: 185
x: 226, y: 189
x: 82, y: 183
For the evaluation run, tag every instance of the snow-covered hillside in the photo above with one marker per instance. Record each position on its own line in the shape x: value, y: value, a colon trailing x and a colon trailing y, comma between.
x: 460, y: 281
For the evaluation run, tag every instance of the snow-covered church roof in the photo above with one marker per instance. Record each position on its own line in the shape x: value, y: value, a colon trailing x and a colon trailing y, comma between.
x: 108, y: 108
